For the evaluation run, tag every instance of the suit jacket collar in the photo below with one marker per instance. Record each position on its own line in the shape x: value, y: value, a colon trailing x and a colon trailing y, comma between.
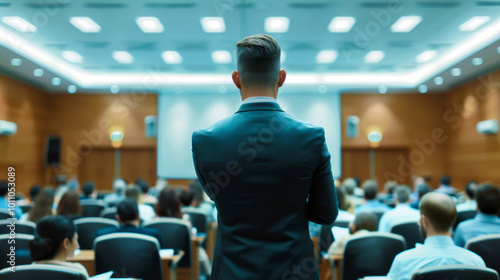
x: 259, y: 106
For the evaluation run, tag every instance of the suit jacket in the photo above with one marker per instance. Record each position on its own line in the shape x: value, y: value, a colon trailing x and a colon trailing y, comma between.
x: 268, y: 174
x: 131, y: 229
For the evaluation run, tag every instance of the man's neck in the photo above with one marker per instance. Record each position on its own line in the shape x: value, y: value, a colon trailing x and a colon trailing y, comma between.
x: 258, y: 92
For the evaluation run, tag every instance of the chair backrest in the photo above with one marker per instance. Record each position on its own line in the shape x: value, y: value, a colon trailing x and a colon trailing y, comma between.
x: 326, y: 238
x: 42, y: 272
x: 109, y: 213
x: 464, y: 215
x: 26, y: 227
x: 128, y: 255
x: 5, y: 214
x: 92, y: 208
x: 22, y: 252
x: 488, y: 248
x: 409, y: 230
x: 455, y: 272
x: 25, y: 208
x: 370, y: 255
x: 198, y: 220
x: 88, y: 227
x: 175, y: 234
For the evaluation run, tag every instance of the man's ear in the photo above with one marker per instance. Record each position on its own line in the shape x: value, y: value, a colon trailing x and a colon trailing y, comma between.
x: 236, y: 79
x: 281, y: 77
x: 66, y: 242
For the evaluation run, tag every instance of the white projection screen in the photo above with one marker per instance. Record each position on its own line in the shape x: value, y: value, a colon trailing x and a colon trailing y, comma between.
x: 180, y: 115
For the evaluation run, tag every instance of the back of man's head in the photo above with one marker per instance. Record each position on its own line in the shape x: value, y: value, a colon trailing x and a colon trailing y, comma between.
x: 402, y: 193
x: 143, y: 185
x: 349, y: 185
x: 422, y: 189
x: 365, y: 220
x: 258, y: 61
x: 445, y: 180
x: 370, y: 187
x: 133, y: 192
x: 34, y: 191
x: 88, y: 188
x: 119, y: 186
x: 4, y: 188
x: 488, y: 199
x: 470, y: 188
x: 390, y: 186
x: 440, y: 209
x: 127, y: 210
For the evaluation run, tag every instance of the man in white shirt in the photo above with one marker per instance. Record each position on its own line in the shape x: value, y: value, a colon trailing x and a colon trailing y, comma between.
x: 401, y: 212
x: 470, y: 201
x: 438, y: 213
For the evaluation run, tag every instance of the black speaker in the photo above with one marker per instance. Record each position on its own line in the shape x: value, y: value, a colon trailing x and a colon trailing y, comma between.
x: 53, y: 151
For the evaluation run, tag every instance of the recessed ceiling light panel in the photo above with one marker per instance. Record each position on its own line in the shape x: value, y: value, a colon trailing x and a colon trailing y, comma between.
x: 85, y: 24
x: 277, y: 24
x: 406, y: 23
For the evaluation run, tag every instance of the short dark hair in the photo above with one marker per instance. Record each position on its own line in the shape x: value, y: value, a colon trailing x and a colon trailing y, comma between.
x: 143, y: 185
x: 469, y: 190
x: 370, y: 187
x: 35, y: 189
x: 445, y: 180
x: 365, y: 220
x: 127, y: 210
x: 422, y: 189
x: 134, y: 192
x: 88, y: 188
x: 488, y: 199
x: 50, y: 233
x: 258, y: 60
x: 186, y: 197
x: 402, y: 193
x: 439, y: 209
x: 4, y: 188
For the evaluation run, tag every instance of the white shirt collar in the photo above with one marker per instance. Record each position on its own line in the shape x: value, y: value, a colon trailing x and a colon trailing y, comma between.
x: 256, y: 99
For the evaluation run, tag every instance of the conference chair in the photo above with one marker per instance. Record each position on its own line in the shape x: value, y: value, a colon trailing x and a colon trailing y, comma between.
x: 26, y: 227
x: 488, y: 248
x: 326, y: 238
x: 409, y: 230
x: 5, y: 214
x: 92, y: 208
x: 462, y: 216
x: 455, y: 272
x: 22, y: 253
x: 174, y: 234
x: 109, y: 213
x: 198, y: 220
x: 25, y: 208
x: 42, y: 272
x: 129, y: 255
x: 88, y: 227
x: 370, y: 255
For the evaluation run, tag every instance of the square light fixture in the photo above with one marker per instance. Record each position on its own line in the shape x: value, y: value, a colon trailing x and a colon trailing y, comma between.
x: 72, y: 56
x: 123, y: 57
x: 473, y: 23
x: 213, y: 24
x: 277, y: 24
x: 19, y: 24
x: 374, y: 57
x: 171, y: 57
x: 149, y: 24
x: 85, y: 24
x: 426, y: 56
x: 326, y: 56
x: 221, y: 57
x: 406, y: 23
x: 341, y: 24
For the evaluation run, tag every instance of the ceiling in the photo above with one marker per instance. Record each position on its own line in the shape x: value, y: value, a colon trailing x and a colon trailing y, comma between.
x: 308, y: 34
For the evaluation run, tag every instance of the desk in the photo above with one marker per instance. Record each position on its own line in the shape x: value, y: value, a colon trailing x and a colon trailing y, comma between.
x: 86, y: 258
x: 196, y: 242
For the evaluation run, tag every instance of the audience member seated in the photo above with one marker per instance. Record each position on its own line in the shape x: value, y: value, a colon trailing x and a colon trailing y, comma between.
x: 146, y: 212
x: 422, y: 189
x: 417, y: 180
x: 88, y: 191
x: 55, y: 241
x: 156, y: 190
x: 363, y: 223
x: 69, y: 206
x: 350, y: 185
x: 343, y: 214
x: 119, y: 186
x: 129, y: 219
x: 438, y: 213
x: 486, y: 220
x: 470, y: 202
x: 388, y: 193
x: 4, y: 199
x: 446, y: 187
x: 370, y: 188
x: 196, y: 202
x: 34, y: 191
x: 145, y: 197
x: 43, y: 206
x: 401, y: 212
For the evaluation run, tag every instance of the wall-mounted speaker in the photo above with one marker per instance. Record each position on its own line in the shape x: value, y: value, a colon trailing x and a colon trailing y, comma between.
x: 352, y: 127
x: 150, y: 126
x: 53, y: 150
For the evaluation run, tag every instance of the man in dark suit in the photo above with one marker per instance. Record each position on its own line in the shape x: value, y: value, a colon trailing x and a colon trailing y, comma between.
x: 128, y: 217
x: 268, y: 174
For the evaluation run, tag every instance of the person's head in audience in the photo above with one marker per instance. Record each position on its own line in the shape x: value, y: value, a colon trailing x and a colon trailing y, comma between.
x: 43, y: 205
x: 422, y: 189
x: 88, y: 189
x: 402, y: 194
x: 258, y: 65
x: 69, y: 205
x: 133, y: 192
x: 143, y: 185
x: 389, y: 186
x: 169, y: 204
x: 34, y: 191
x: 119, y: 186
x: 488, y: 199
x: 370, y: 187
x: 186, y: 197
x: 445, y: 180
x: 4, y: 188
x: 438, y: 214
x: 470, y: 188
x: 127, y: 212
x: 349, y: 186
x: 55, y: 239
x: 197, y: 190
x: 363, y: 220
x: 341, y: 199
